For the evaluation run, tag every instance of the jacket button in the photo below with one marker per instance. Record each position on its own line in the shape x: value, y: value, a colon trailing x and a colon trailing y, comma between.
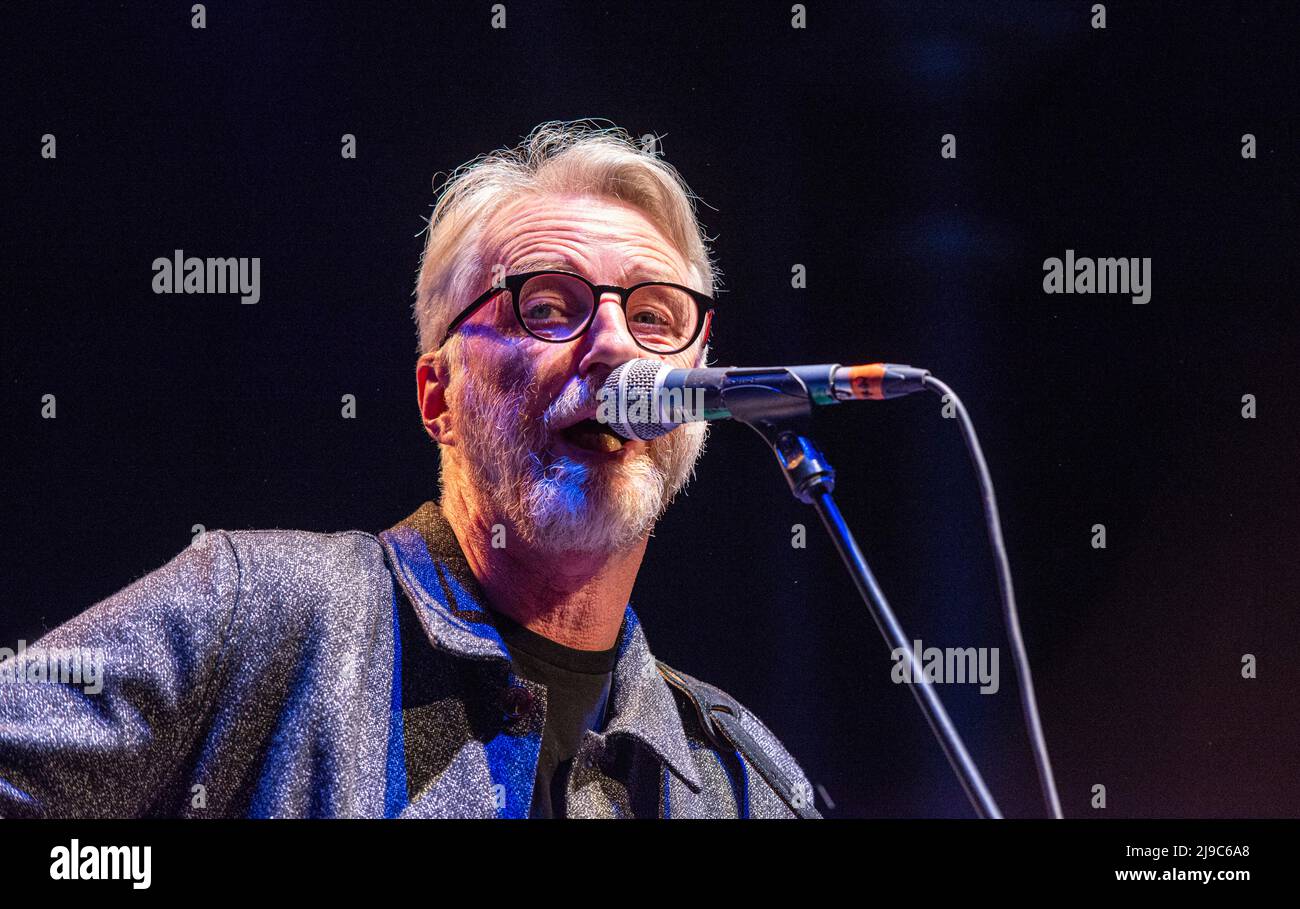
x: 517, y: 701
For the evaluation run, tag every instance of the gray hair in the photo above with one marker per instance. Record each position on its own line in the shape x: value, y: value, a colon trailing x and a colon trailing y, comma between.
x: 556, y: 157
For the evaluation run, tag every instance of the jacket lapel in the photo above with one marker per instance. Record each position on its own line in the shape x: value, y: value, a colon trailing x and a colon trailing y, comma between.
x: 431, y: 570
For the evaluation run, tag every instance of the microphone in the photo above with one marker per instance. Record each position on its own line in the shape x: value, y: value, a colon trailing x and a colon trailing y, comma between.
x: 644, y: 399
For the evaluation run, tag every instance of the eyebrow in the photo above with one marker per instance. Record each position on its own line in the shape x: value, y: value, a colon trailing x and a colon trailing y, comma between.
x: 546, y: 263
x: 541, y: 263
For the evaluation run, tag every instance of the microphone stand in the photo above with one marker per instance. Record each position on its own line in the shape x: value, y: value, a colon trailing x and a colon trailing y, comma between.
x: 782, y: 415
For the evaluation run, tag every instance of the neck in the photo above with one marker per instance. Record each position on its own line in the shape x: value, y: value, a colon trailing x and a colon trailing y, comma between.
x: 575, y: 598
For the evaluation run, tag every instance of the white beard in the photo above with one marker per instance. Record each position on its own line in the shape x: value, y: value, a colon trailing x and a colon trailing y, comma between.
x: 558, y: 503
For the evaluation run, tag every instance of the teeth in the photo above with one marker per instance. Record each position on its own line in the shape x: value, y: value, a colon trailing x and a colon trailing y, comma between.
x: 586, y: 436
x: 604, y: 442
x: 601, y: 441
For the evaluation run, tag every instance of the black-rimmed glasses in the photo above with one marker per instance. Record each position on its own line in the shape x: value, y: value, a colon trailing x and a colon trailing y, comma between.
x: 559, y: 306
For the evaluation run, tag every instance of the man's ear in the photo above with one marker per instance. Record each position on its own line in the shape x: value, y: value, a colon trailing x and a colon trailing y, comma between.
x: 704, y: 342
x: 431, y: 385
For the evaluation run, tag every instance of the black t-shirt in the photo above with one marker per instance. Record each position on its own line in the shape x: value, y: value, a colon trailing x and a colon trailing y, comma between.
x: 577, y: 689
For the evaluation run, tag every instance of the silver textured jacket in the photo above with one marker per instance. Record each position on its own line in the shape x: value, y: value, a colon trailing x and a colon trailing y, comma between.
x: 280, y: 673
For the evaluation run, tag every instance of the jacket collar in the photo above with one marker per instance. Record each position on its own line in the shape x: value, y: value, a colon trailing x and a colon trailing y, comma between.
x: 431, y: 568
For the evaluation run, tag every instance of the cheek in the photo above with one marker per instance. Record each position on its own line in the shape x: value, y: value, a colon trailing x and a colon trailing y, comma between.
x: 534, y: 373
x: 694, y: 357
x: 506, y: 365
x: 687, y: 359
x: 553, y: 365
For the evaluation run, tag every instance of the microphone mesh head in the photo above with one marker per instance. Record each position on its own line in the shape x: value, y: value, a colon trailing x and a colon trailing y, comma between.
x: 627, y: 401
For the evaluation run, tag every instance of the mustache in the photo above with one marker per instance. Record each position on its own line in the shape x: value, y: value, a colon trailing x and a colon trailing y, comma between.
x: 578, y: 396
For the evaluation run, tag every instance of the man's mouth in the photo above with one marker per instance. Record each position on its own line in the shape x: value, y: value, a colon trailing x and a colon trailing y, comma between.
x: 594, y: 436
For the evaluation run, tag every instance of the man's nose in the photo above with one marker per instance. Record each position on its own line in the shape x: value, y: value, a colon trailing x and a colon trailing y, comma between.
x: 609, y: 341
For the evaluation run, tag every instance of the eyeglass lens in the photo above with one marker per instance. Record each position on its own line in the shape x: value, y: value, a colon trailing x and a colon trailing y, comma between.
x: 556, y: 307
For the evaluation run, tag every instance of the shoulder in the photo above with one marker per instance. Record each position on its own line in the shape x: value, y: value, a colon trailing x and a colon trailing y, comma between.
x: 289, y: 579
x: 723, y: 723
x: 300, y: 557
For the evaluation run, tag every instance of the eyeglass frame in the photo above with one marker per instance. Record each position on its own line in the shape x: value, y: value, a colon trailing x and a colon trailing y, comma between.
x: 514, y: 283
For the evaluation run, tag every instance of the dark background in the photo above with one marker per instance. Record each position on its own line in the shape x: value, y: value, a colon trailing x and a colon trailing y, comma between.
x: 819, y: 147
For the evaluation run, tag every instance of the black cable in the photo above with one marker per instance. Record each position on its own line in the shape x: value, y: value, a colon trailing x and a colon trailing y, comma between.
x: 1028, y: 701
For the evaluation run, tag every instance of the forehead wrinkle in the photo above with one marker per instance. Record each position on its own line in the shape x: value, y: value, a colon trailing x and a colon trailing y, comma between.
x: 544, y: 249
x: 648, y: 266
x: 570, y: 234
x: 547, y: 245
x: 638, y: 262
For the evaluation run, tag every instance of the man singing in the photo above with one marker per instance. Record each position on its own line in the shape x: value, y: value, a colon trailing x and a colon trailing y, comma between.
x: 480, y: 658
